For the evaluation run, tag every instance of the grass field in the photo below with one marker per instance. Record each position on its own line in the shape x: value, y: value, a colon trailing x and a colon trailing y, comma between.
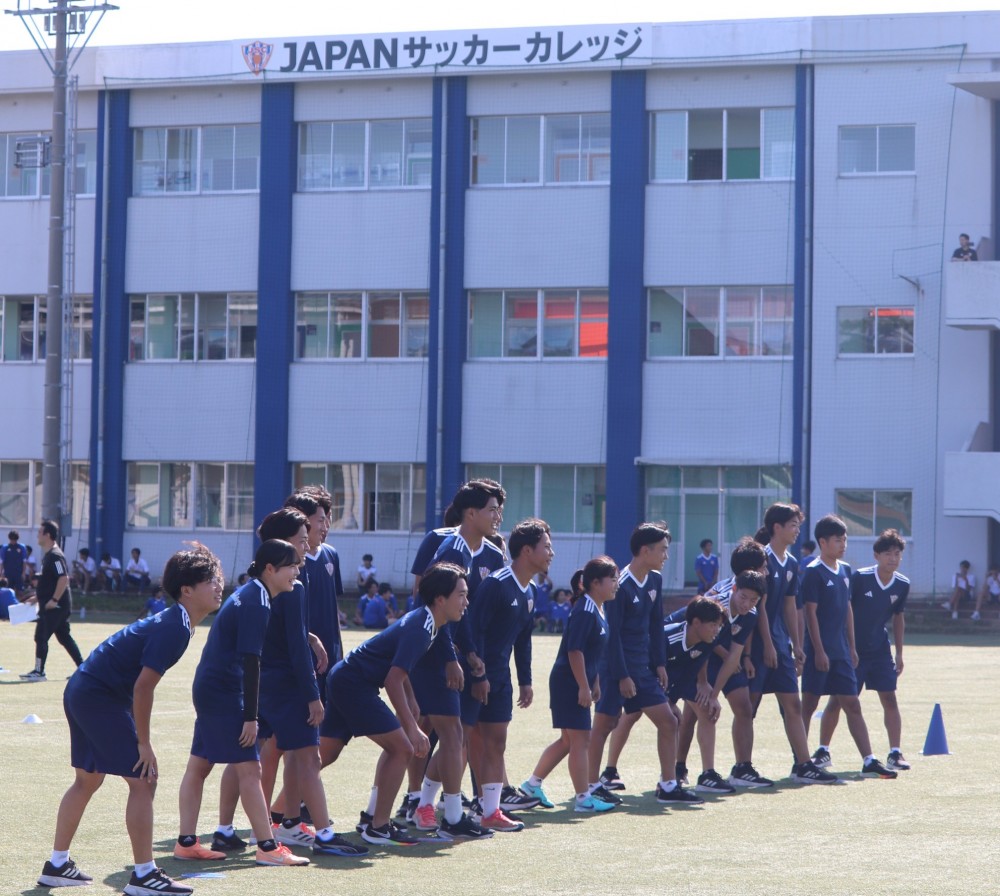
x: 932, y: 831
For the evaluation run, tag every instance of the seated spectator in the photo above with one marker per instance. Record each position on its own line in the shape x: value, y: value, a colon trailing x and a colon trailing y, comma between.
x: 30, y: 568
x: 543, y: 599
x: 84, y: 571
x: 136, y: 572
x: 559, y: 610
x: 963, y: 585
x: 109, y: 573
x: 990, y: 592
x: 370, y: 592
x: 13, y: 557
x: 376, y: 612
x: 156, y: 604
x: 366, y: 573
x: 964, y: 252
x: 7, y: 598
x: 385, y: 592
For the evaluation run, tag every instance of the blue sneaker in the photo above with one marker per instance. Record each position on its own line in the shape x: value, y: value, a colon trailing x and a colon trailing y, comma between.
x: 593, y: 804
x: 538, y: 794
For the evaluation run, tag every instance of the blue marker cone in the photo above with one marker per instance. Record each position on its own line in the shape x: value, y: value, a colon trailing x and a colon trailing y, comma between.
x: 936, y: 743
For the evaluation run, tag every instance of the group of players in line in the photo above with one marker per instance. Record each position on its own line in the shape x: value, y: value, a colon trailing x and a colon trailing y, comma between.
x: 273, y: 682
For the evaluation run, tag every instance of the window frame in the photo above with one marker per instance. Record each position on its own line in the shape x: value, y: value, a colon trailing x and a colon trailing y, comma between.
x: 878, y: 170
x: 875, y: 312
x: 193, y: 330
x: 852, y: 519
x: 192, y: 496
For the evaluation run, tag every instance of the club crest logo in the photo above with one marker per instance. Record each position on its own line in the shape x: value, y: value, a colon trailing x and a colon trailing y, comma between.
x: 256, y: 55
x: 531, y: 604
x: 788, y: 576
x: 652, y: 593
x: 484, y: 571
x: 329, y: 568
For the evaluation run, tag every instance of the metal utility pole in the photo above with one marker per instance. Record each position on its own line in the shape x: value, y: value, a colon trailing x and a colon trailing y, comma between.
x: 64, y: 18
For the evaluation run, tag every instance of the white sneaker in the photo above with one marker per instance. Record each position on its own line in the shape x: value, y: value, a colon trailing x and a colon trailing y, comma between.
x: 975, y: 616
x: 300, y: 835
x: 946, y: 605
x: 954, y: 614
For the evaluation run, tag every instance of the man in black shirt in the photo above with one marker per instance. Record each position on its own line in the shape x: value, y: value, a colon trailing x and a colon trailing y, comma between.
x: 54, y: 602
x: 964, y: 252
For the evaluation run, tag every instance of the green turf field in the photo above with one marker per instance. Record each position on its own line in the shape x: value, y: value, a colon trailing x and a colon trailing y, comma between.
x: 932, y: 831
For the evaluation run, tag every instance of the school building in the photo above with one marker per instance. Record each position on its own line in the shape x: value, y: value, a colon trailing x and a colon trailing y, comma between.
x: 669, y: 271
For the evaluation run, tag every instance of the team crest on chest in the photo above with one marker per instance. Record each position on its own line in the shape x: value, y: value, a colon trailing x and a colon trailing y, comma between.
x: 788, y: 576
x: 736, y: 629
x: 694, y: 654
x: 531, y: 604
x: 652, y: 593
x: 329, y: 569
x: 484, y: 571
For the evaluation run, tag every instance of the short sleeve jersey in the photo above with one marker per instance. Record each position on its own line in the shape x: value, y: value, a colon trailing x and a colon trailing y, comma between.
x: 830, y: 590
x: 501, y: 620
x: 402, y: 644
x: 428, y: 548
x: 735, y: 629
x: 238, y: 631
x: 782, y: 582
x: 321, y: 578
x: 635, y: 626
x: 478, y: 565
x: 156, y: 642
x: 586, y: 631
x: 54, y: 567
x: 286, y: 660
x: 707, y: 566
x: 874, y: 604
x: 13, y: 556
x: 683, y: 659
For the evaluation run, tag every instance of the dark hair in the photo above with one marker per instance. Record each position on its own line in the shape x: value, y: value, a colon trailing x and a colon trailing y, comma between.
x: 965, y: 235
x: 13, y: 535
x: 371, y: 580
x: 705, y: 541
x: 50, y: 528
x: 829, y: 526
x: 274, y: 551
x: 440, y: 580
x: 596, y: 568
x: 366, y: 557
x: 105, y: 556
x: 890, y: 538
x: 965, y: 563
x: 809, y: 546
x: 315, y: 493
x: 648, y: 533
x: 452, y: 517
x: 526, y: 534
x: 753, y: 580
x: 282, y: 524
x: 3, y: 582
x: 495, y: 538
x: 190, y: 567
x: 748, y: 554
x: 576, y: 584
x: 84, y: 552
x: 780, y: 513
x: 135, y: 551
x: 704, y: 609
x: 475, y: 495
x: 385, y: 588
x: 304, y: 502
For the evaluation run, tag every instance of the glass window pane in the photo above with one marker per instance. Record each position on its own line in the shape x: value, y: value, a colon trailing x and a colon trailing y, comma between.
x: 348, y: 154
x: 488, y: 150
x: 80, y: 496
x: 595, y: 148
x: 523, y: 150
x: 383, y: 325
x: 701, y: 477
x: 743, y: 144
x: 14, y: 493
x: 777, y: 480
x: 590, y: 499
x: 855, y: 331
x: 417, y: 312
x: 663, y: 477
x: 418, y: 135
x: 741, y: 321
x: 519, y: 483
x: 217, y: 158
x: 854, y: 507
x: 311, y: 325
x: 858, y: 149
x: 776, y: 320
x: 208, y: 499
x: 385, y: 160
x: 593, y: 339
x: 741, y: 477
x: 181, y: 152
x: 562, y: 149
x: 483, y: 471
x: 742, y: 516
x: 558, y: 497
x: 246, y: 174
x: 666, y: 323
x: 86, y: 163
x: 239, y: 496
x: 521, y: 324
x: 175, y: 491
x: 143, y: 495
x: 315, y: 142
x: 343, y: 481
x: 161, y: 327
x: 243, y: 325
x: 149, y: 174
x: 137, y: 329
x: 83, y: 328
x: 211, y: 328
x: 897, y: 148
x: 418, y: 499
x: 705, y: 144
x: 485, y: 325
x: 778, y: 143
x: 894, y: 331
x: 669, y: 146
x: 894, y: 510
x: 387, y: 487
x: 701, y: 322
x: 185, y: 327
x: 559, y: 324
x: 345, y: 320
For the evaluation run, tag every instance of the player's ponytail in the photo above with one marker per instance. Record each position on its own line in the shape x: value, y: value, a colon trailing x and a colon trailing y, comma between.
x: 274, y: 552
x: 597, y: 568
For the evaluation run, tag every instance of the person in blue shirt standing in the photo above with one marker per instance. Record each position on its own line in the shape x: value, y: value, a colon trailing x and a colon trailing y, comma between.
x: 12, y: 558
x: 226, y: 692
x: 706, y: 567
x: 831, y: 656
x: 574, y: 685
x: 109, y: 704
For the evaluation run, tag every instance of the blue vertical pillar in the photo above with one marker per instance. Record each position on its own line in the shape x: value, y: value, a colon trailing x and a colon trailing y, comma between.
x: 434, y: 501
x: 108, y: 492
x: 626, y: 307
x: 275, y: 302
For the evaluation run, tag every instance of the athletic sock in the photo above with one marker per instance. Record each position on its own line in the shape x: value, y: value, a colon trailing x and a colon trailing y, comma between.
x: 824, y: 747
x: 187, y: 839
x: 277, y: 817
x: 667, y: 786
x: 535, y: 781
x: 268, y: 845
x: 325, y: 834
x: 227, y: 830
x: 895, y: 750
x: 145, y: 868
x: 372, y: 797
x: 592, y: 787
x: 429, y: 792
x: 289, y: 823
x: 59, y: 857
x: 582, y: 797
x: 868, y: 758
x: 453, y: 808
x: 491, y: 799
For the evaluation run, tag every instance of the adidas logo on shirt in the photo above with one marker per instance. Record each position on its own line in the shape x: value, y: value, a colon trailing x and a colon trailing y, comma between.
x: 513, y: 603
x: 868, y: 594
x: 635, y: 599
x: 829, y: 584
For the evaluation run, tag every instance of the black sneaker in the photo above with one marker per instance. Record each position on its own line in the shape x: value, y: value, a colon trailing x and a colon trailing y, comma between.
x: 745, y: 775
x: 365, y: 819
x: 156, y: 883
x: 874, y: 769
x: 678, y: 796
x: 711, y: 781
x: 609, y: 779
x: 807, y: 773
x: 681, y: 773
x: 602, y: 793
x: 896, y: 762
x: 821, y: 758
x: 338, y: 846
x: 513, y: 799
x: 66, y: 875
x: 407, y: 808
x: 388, y: 835
x: 463, y: 829
x: 227, y: 842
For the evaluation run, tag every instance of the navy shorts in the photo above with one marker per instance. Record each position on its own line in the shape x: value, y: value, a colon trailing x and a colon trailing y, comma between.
x: 434, y: 697
x: 781, y: 680
x: 682, y: 687
x: 840, y: 680
x: 735, y: 681
x: 647, y: 693
x: 217, y: 728
x: 564, y: 696
x: 285, y: 717
x: 498, y: 708
x: 354, y: 708
x: 101, y: 730
x: 877, y: 672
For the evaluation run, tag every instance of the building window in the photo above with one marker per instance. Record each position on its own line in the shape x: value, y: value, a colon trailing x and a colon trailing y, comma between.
x: 193, y: 327
x: 878, y: 149
x: 536, y: 149
x: 343, y: 482
x: 874, y: 331
x: 361, y: 325
x: 531, y: 323
x: 160, y: 495
x: 79, y: 485
x: 711, y: 322
x: 24, y: 182
x: 571, y: 499
x: 15, y: 493
x: 22, y: 321
x: 723, y: 144
x: 218, y: 159
x: 359, y: 155
x: 871, y: 511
